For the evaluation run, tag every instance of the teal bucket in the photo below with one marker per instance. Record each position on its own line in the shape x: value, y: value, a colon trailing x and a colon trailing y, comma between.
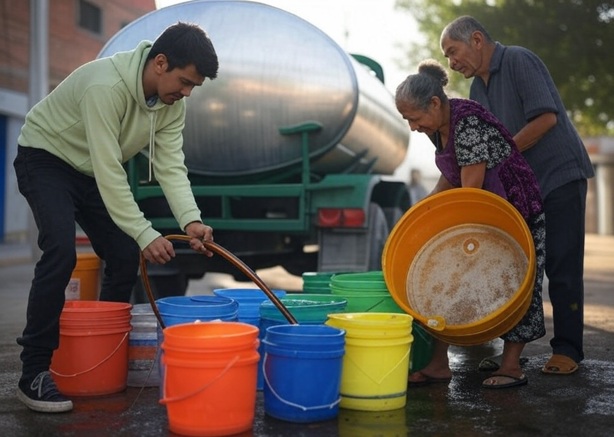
x: 302, y: 372
x: 249, y: 300
x: 305, y: 311
x: 322, y: 298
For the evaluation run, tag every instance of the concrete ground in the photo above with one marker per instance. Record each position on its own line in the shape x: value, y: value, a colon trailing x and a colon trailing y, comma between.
x: 580, y: 404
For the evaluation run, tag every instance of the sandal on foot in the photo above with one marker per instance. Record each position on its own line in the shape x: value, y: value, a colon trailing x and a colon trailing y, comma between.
x: 491, y: 364
x: 427, y: 380
x: 504, y: 381
x: 560, y: 365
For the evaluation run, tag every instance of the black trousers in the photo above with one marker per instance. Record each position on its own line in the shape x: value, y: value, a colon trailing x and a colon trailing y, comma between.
x: 59, y: 197
x: 565, y: 210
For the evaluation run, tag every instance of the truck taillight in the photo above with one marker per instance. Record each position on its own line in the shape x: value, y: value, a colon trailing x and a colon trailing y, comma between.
x: 341, y: 217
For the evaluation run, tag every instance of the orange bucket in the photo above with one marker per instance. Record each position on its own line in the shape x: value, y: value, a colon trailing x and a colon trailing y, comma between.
x: 92, y: 357
x: 419, y: 229
x: 84, y: 282
x: 209, y: 385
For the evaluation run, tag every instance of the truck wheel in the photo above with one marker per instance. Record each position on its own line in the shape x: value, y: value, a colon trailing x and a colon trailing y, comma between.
x: 378, y: 234
x: 300, y: 263
x: 393, y: 215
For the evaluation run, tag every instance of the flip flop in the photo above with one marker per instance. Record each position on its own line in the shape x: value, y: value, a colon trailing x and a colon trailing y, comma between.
x: 497, y: 384
x: 560, y: 365
x: 490, y: 364
x: 427, y: 380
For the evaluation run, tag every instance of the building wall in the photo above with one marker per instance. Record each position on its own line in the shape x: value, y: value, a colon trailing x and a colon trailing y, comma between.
x: 69, y: 47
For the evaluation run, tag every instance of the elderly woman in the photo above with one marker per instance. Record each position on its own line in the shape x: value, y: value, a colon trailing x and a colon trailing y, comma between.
x: 473, y: 149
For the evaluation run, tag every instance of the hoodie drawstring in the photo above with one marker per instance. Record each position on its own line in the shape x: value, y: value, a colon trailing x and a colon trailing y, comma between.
x: 152, y: 140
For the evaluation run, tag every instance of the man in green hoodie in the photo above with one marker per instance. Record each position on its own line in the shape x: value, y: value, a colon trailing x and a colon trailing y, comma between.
x: 69, y: 167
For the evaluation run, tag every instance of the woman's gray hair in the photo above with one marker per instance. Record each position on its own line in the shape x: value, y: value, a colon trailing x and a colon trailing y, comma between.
x: 462, y: 28
x: 418, y: 89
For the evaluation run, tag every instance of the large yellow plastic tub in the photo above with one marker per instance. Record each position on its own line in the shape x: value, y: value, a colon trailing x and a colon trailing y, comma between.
x: 427, y: 223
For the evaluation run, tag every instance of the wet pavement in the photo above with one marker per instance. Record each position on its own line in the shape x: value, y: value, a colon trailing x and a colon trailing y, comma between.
x: 579, y: 404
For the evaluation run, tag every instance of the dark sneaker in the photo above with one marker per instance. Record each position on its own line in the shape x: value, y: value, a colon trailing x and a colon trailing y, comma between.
x: 41, y: 394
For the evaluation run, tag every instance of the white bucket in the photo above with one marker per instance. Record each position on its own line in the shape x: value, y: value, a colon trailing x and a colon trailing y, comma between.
x: 143, y: 348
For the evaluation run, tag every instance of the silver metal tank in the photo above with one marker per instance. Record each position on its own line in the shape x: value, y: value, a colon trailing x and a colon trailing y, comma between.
x: 277, y: 70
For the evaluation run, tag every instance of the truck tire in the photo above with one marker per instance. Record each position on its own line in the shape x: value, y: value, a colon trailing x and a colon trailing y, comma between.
x: 393, y: 215
x: 301, y: 262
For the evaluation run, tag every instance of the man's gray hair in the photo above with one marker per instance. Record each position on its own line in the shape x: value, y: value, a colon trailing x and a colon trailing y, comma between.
x: 462, y: 28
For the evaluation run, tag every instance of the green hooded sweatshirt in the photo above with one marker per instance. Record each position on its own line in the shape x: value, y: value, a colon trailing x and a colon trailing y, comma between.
x: 97, y: 119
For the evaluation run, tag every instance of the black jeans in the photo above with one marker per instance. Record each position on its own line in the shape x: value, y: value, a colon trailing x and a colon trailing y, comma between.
x: 565, y: 227
x: 59, y: 196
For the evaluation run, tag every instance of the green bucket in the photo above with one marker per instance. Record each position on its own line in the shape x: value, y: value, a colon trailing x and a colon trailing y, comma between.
x: 368, y: 302
x: 317, y: 282
x: 372, y: 281
x: 365, y: 292
x: 421, y: 348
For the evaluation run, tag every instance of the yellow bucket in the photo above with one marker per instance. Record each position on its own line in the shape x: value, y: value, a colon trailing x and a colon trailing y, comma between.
x: 393, y: 423
x: 436, y: 215
x: 376, y: 360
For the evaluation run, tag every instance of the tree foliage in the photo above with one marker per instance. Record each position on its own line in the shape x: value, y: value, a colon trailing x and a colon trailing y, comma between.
x: 575, y: 39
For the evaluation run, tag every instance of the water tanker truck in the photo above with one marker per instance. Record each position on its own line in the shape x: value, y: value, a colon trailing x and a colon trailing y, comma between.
x: 290, y: 151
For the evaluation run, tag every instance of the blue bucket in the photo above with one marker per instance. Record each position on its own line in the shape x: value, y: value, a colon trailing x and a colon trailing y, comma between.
x: 175, y: 310
x: 249, y: 300
x: 185, y: 309
x: 304, y: 310
x: 302, y: 372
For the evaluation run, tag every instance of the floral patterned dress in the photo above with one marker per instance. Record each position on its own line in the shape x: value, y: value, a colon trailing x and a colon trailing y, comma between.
x: 476, y: 136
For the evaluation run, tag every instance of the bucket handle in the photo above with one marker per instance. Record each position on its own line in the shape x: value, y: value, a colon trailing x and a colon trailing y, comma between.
x: 435, y: 323
x: 387, y: 373
x: 167, y: 400
x: 373, y: 306
x: 233, y: 259
x: 292, y: 404
x: 96, y: 365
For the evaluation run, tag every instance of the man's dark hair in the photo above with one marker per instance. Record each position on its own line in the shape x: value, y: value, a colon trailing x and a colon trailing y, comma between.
x: 186, y: 44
